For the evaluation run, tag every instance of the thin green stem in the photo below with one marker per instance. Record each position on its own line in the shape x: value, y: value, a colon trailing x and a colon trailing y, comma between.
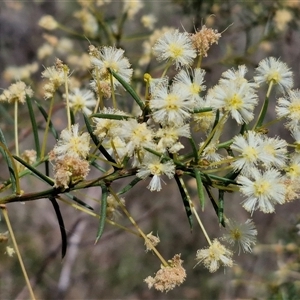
x: 264, y: 108
x: 11, y: 232
x: 212, y: 133
x: 147, y: 79
x: 113, y: 95
x: 47, y: 128
x: 274, y: 121
x: 67, y: 97
x: 199, y: 61
x: 195, y: 212
x: 169, y: 63
x: 270, y: 88
x: 201, y: 225
x: 100, y: 103
x: 68, y: 30
x: 225, y: 144
x: 16, y: 128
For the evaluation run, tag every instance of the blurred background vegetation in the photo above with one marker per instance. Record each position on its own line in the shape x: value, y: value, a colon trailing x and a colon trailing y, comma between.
x: 116, y: 266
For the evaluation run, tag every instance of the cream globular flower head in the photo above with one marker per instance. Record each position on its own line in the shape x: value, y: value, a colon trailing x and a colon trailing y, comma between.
x: 88, y: 22
x: 168, y: 277
x: 131, y: 8
x: 169, y: 135
x: 176, y: 47
x: 148, y: 21
x: 237, y: 76
x: 156, y: 83
x: 282, y: 18
x: 210, y: 152
x: 108, y: 127
x: 275, y: 152
x: 237, y: 99
x: 48, y: 22
x: 292, y: 178
x: 214, y: 256
x: 64, y: 45
x: 193, y: 83
x: 263, y: 189
x: 204, y: 121
x: 273, y: 70
x: 152, y: 165
x: 44, y: 51
x: 81, y: 61
x: 293, y: 168
x: 116, y: 147
x: 249, y: 148
x: 111, y: 58
x: 258, y: 150
x: 148, y: 45
x: 289, y: 107
x: 296, y: 136
x: 56, y: 77
x: 82, y: 100
x: 16, y: 92
x: 244, y: 234
x: 136, y: 135
x: 29, y: 156
x: 72, y: 143
x: 171, y: 106
x: 12, y: 73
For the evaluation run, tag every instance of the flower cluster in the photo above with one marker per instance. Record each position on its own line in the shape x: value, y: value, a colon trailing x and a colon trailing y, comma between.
x: 56, y: 76
x: 69, y: 156
x: 16, y: 93
x: 174, y: 130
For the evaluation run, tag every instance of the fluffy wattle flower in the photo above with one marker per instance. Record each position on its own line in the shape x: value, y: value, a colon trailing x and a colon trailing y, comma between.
x: 273, y: 70
x: 72, y: 143
x: 192, y: 83
x: 214, y: 256
x: 171, y: 106
x: 175, y: 46
x: 112, y: 58
x: 262, y: 190
x: 153, y: 166
x: 136, y: 135
x: 244, y: 234
x: 82, y: 100
x: 248, y: 147
x: 237, y: 99
x: 289, y: 108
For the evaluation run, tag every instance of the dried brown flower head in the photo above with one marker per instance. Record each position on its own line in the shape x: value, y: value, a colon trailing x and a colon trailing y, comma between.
x: 70, y: 169
x: 204, y: 38
x: 168, y: 277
